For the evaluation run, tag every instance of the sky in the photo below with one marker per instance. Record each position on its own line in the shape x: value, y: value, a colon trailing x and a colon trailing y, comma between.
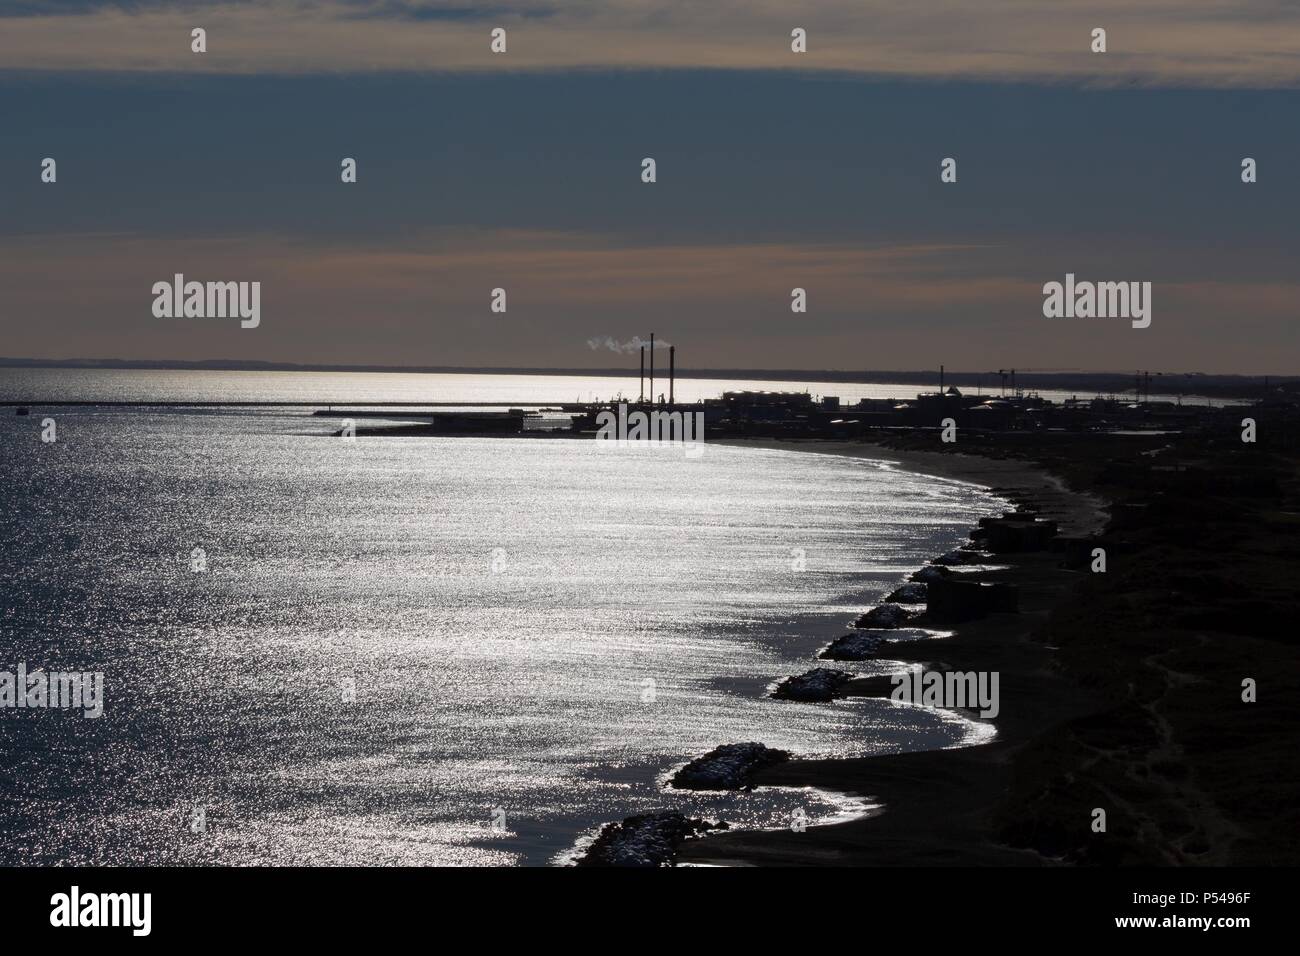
x: 775, y: 170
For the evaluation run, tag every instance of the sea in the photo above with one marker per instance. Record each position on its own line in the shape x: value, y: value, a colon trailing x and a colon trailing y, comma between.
x: 416, y: 650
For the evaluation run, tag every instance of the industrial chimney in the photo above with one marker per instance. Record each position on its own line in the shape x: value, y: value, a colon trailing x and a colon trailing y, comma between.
x: 672, y: 371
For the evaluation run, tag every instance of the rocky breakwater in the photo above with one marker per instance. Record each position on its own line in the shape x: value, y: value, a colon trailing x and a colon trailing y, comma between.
x: 885, y: 617
x: 817, y: 685
x: 854, y: 647
x: 913, y: 592
x: 653, y: 839
x: 645, y: 840
x: 728, y: 767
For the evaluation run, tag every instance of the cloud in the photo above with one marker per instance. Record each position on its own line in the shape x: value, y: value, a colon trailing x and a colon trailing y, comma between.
x: 1158, y: 42
x: 634, y: 344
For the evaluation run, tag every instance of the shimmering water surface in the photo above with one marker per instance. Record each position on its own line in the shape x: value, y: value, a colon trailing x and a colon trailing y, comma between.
x: 536, y: 629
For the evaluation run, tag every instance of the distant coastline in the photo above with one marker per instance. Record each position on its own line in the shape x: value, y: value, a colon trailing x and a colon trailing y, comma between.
x: 1086, y: 382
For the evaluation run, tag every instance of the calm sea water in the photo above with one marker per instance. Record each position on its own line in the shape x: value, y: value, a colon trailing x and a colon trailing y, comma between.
x: 397, y: 639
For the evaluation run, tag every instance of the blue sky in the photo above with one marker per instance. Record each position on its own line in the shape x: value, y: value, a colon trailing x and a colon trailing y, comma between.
x: 528, y: 178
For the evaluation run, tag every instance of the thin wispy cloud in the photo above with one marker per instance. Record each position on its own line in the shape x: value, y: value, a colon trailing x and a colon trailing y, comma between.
x: 1157, y: 42
x: 610, y: 344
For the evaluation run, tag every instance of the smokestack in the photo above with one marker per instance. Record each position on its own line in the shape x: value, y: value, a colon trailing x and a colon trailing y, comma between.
x: 672, y: 371
x: 652, y: 368
x: 641, y: 387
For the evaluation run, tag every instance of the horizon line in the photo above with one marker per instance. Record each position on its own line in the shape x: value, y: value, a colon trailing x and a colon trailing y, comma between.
x: 787, y: 374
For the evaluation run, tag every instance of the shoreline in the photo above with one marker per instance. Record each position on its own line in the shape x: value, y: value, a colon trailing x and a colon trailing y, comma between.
x: 937, y: 806
x: 1078, y: 513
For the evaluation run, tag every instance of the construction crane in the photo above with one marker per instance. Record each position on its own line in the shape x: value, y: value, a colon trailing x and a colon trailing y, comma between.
x: 1004, y: 373
x: 1142, y: 385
